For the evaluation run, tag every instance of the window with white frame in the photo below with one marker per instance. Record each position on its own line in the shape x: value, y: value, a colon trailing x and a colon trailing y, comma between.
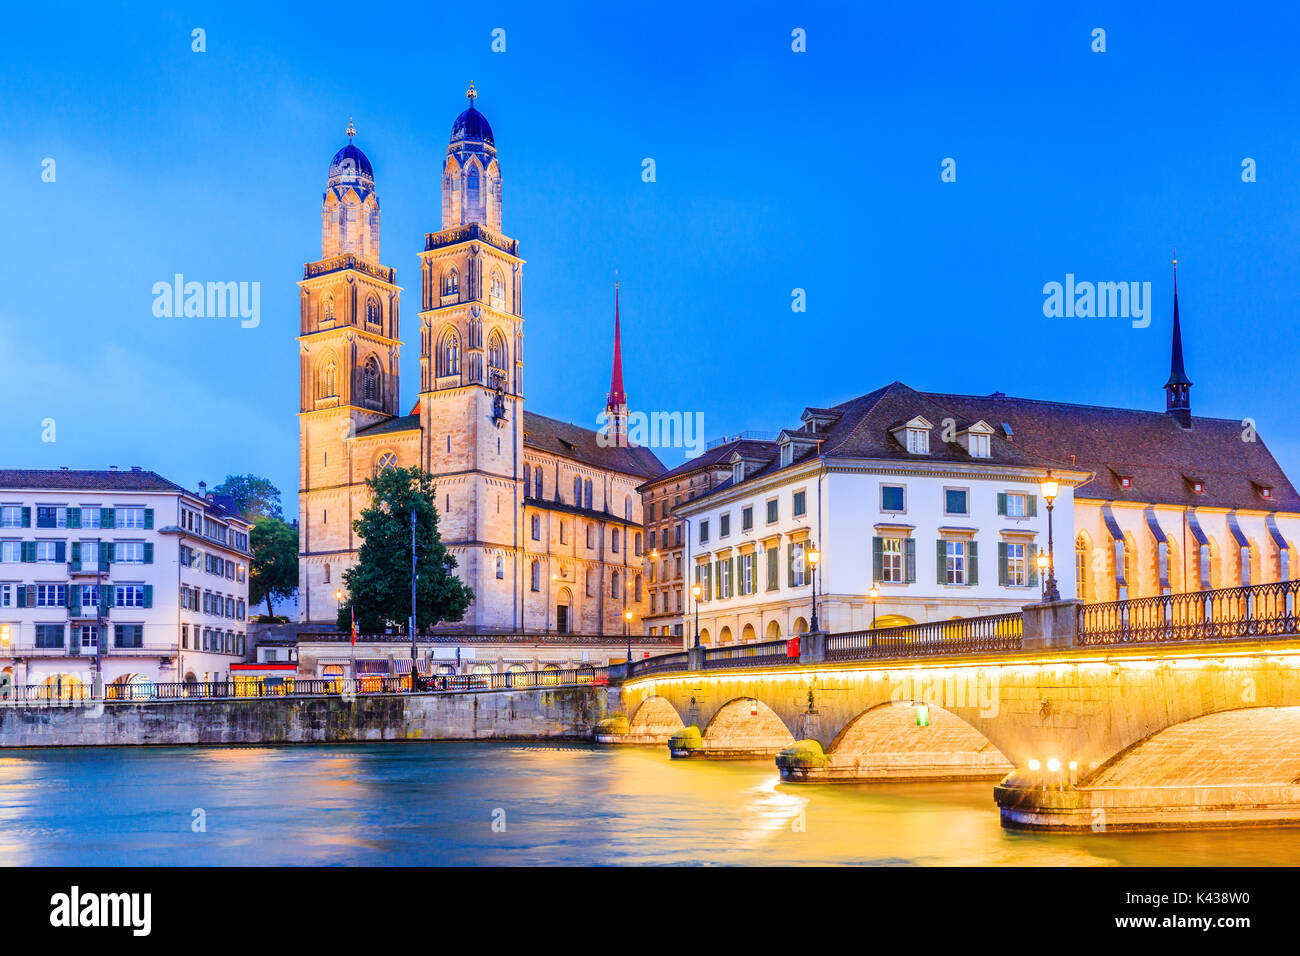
x: 955, y: 553
x: 1015, y: 506
x: 129, y: 517
x: 891, y: 560
x: 918, y: 441
x: 979, y: 446
x: 1017, y: 565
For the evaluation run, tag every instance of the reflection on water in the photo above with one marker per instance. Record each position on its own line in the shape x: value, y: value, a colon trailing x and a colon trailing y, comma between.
x: 435, y: 803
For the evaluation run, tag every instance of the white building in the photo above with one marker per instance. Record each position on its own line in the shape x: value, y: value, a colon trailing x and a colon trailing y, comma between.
x: 123, y: 570
x: 942, y: 513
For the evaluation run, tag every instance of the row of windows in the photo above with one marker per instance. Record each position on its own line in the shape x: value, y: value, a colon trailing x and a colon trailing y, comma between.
x: 374, y: 311
x: 372, y: 380
x: 1206, y: 567
x: 75, y: 597
x: 616, y: 583
x: 535, y: 487
x: 85, y: 553
x: 210, y: 602
x: 213, y: 639
x: 614, y: 541
x: 83, y: 516
x: 798, y: 504
x: 87, y: 635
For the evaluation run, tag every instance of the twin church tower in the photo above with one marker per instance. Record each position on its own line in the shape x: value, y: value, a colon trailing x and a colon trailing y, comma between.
x: 532, y: 508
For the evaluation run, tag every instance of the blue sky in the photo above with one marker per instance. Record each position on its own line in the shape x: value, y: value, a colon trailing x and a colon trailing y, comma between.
x: 775, y: 170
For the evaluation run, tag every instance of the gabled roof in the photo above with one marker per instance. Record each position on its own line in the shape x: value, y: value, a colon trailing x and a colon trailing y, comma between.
x: 86, y: 480
x: 581, y: 444
x: 718, y: 457
x: 400, y: 423
x: 1150, y: 447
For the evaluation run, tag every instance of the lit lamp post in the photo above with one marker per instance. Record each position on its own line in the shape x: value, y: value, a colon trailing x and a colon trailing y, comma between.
x: 352, y: 640
x: 1049, y: 486
x: 1041, y: 561
x: 814, y: 556
x: 627, y: 632
x: 696, y: 592
x: 874, y: 594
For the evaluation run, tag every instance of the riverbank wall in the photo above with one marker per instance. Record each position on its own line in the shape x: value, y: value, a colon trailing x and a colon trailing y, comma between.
x: 570, y: 713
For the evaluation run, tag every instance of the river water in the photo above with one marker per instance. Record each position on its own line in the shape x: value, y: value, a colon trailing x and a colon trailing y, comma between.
x: 513, y: 804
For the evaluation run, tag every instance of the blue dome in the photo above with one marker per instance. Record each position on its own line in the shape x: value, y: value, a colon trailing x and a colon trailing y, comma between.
x: 473, y: 126
x: 350, y: 165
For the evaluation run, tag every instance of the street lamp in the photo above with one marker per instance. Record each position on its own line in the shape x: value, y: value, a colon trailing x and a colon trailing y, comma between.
x: 814, y: 556
x: 1041, y: 561
x: 696, y: 591
x: 627, y: 632
x: 874, y: 594
x: 1049, y: 486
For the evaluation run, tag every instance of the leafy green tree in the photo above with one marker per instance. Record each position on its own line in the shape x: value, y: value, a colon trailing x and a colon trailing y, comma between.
x: 273, y: 571
x: 379, y: 585
x: 255, y: 497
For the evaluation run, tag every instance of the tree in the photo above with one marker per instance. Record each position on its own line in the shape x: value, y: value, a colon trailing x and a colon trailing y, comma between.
x: 379, y: 585
x: 255, y: 497
x: 273, y: 571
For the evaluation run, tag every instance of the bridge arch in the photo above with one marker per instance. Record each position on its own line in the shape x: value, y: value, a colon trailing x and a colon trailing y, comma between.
x: 1245, y: 747
x: 745, y: 726
x: 902, y: 740
x: 655, y: 716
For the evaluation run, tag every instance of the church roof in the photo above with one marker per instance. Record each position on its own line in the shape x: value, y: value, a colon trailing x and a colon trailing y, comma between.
x: 473, y: 126
x: 717, y: 457
x: 580, y: 444
x: 400, y: 423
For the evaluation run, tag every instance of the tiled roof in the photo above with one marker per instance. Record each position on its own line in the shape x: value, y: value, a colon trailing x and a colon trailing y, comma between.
x: 1160, y: 457
x: 580, y: 444
x: 85, y: 480
x: 717, y: 458
x: 401, y: 423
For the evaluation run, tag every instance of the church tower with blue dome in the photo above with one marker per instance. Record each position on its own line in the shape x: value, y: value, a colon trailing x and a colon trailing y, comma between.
x: 349, y: 348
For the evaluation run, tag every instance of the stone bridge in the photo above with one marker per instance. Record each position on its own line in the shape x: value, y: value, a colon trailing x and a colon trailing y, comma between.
x: 1128, y: 735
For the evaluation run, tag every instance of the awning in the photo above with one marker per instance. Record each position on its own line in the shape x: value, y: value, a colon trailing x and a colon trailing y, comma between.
x: 1194, y: 523
x: 1274, y: 531
x: 1154, y: 525
x: 1111, y: 524
x: 372, y: 667
x: 1235, y: 528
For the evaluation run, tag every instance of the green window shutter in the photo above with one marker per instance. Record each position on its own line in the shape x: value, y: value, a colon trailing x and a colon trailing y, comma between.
x: 148, y: 552
x: 731, y: 591
x: 941, y: 562
x: 148, y: 518
x: 909, y: 561
x: 708, y: 582
x: 106, y: 597
x: 74, y: 517
x: 973, y: 562
x: 74, y: 597
x: 22, y: 596
x: 148, y: 595
x: 1002, y: 502
x: 29, y: 552
x: 27, y: 517
x: 61, y: 551
x: 772, y: 569
x: 1031, y: 505
x: 112, y: 551
x: 789, y: 565
x: 76, y: 555
x: 1032, y: 553
x: 877, y: 558
x: 106, y: 519
x: 1002, y: 563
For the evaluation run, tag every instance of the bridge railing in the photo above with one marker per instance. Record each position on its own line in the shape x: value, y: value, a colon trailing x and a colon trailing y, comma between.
x: 76, y: 693
x: 1257, y: 610
x: 746, y: 655
x: 662, y: 662
x: 993, y: 632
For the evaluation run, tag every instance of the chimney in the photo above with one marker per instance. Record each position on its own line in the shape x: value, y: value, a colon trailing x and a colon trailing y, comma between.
x: 112, y: 467
x: 136, y: 468
x: 203, y: 489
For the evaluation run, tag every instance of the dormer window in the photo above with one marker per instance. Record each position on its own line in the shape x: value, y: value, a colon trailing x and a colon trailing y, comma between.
x: 979, y: 446
x: 738, y: 472
x: 918, y: 441
x: 1126, y: 481
x: 1266, y: 491
x: 787, y: 454
x: 1198, y: 487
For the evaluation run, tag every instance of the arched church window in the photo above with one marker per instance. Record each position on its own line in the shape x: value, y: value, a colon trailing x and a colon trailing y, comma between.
x: 638, y: 587
x: 528, y: 474
x: 537, y: 482
x: 497, y: 294
x: 373, y: 316
x: 497, y: 352
x: 451, y: 282
x: 613, y: 585
x: 327, y: 310
x: 627, y: 507
x: 536, y: 575
x: 471, y: 188
x: 386, y: 460
x: 614, y: 541
x: 448, y: 359
x: 327, y: 572
x: 586, y: 494
x: 327, y: 380
x: 577, y: 491
x: 370, y: 380
x: 501, y: 566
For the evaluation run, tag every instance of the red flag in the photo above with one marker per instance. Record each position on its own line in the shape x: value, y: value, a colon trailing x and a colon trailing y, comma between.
x: 354, y: 627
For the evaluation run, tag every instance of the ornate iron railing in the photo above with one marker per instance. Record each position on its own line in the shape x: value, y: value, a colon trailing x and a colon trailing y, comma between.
x: 746, y: 655
x: 610, y: 640
x: 968, y: 635
x: 1259, y: 610
x: 663, y: 662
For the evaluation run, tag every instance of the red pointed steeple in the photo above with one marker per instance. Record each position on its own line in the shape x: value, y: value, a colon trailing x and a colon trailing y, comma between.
x: 616, y: 396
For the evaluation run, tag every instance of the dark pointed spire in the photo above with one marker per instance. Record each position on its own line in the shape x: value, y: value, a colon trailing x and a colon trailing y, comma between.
x: 1177, y: 389
x: 616, y: 396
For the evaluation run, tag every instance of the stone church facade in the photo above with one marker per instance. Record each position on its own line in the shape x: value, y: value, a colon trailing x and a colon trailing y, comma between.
x: 542, y: 516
